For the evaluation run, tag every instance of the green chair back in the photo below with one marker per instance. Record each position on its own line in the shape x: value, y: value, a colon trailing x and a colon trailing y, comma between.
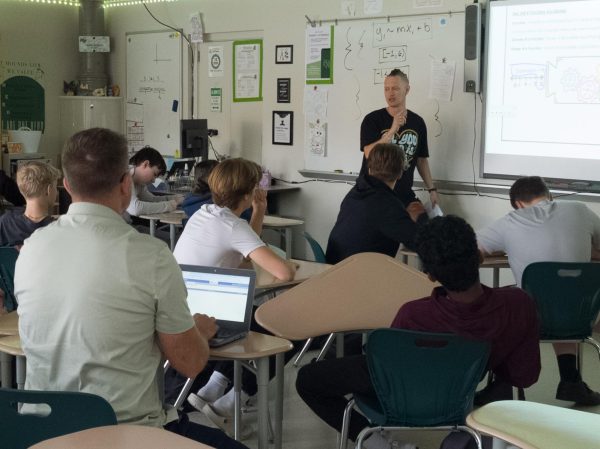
x: 567, y: 295
x: 318, y: 252
x: 69, y: 412
x: 422, y: 379
x: 8, y: 259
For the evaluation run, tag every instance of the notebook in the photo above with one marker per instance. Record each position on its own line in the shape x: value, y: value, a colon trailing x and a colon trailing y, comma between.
x: 224, y: 293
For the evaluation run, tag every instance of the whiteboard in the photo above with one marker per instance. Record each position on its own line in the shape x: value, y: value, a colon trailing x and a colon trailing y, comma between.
x: 154, y: 90
x: 364, y: 52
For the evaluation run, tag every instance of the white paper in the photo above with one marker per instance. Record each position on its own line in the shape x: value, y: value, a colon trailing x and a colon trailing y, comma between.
x: 372, y: 6
x: 442, y: 80
x: 348, y: 8
x: 315, y: 101
x: 282, y: 128
x: 247, y: 57
x: 434, y: 211
x: 215, y: 62
x: 246, y: 85
x: 316, y: 136
x: 247, y: 71
x: 197, y: 33
x: 134, y: 112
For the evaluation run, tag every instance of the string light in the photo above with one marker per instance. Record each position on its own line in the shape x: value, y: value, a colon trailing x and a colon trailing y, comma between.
x: 55, y: 2
x: 114, y: 3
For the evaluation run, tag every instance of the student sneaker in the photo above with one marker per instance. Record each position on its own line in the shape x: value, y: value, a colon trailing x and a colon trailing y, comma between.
x: 577, y: 392
x: 225, y: 423
x: 196, y: 401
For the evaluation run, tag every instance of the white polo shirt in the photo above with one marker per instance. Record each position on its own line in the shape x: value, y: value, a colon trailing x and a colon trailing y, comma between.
x: 93, y: 293
x: 215, y: 237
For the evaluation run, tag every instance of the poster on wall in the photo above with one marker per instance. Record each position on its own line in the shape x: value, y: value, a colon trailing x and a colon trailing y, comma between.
x: 215, y: 62
x: 23, y: 96
x: 319, y: 55
x: 247, y: 70
x: 283, y: 128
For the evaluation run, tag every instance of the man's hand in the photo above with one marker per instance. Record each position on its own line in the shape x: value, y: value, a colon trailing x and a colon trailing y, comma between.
x: 206, y: 325
x: 179, y: 199
x: 433, y: 196
x: 399, y: 122
x: 259, y: 200
x: 415, y: 209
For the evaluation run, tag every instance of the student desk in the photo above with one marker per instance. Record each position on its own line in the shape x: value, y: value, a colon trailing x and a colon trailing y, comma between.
x: 362, y: 292
x: 12, y: 345
x: 173, y: 219
x: 305, y: 269
x: 494, y: 262
x: 283, y: 224
x: 258, y: 347
x: 530, y: 425
x: 9, y: 325
x: 121, y: 436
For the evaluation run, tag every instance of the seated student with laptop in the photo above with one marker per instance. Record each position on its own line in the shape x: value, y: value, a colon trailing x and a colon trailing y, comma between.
x: 148, y: 164
x: 216, y: 236
x: 37, y: 183
x: 372, y: 216
x: 505, y: 317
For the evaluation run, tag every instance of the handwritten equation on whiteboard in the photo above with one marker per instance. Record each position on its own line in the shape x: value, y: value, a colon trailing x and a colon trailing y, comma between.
x: 392, y: 54
x: 151, y: 85
x: 379, y: 74
x: 388, y: 34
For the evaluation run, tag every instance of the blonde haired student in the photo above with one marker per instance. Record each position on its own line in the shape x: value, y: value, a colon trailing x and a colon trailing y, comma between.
x: 216, y: 236
x: 37, y: 183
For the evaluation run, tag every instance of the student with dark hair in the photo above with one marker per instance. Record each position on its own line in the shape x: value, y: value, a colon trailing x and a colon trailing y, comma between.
x: 540, y: 229
x: 398, y: 125
x: 505, y: 317
x: 111, y: 301
x: 147, y: 165
x: 372, y: 216
x: 201, y: 191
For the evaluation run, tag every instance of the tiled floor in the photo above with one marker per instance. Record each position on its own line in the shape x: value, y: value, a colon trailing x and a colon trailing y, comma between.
x: 303, y: 430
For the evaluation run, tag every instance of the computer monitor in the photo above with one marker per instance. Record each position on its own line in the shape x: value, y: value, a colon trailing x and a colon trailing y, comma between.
x: 194, y: 138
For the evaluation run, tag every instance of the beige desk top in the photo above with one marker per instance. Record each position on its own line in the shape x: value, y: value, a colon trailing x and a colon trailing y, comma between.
x: 271, y: 221
x: 253, y: 346
x: 174, y: 217
x: 530, y: 425
x: 121, y: 437
x: 9, y: 324
x: 494, y: 261
x: 305, y: 270
x: 364, y: 291
x: 11, y: 345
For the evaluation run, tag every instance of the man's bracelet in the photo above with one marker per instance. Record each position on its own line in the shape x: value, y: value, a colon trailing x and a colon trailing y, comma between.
x: 433, y: 189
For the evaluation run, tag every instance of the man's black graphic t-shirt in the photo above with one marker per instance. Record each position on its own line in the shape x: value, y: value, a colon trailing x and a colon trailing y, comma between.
x: 412, y: 138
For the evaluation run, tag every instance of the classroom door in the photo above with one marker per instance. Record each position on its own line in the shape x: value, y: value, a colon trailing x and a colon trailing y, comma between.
x: 239, y: 124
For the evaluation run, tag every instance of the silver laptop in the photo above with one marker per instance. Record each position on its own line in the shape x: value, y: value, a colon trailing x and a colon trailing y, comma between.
x: 224, y: 293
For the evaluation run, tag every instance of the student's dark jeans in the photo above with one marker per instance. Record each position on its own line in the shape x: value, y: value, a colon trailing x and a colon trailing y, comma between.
x: 207, y: 435
x: 324, y: 385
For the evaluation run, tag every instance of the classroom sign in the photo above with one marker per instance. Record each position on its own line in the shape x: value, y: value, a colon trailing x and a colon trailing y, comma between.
x: 22, y: 103
x: 319, y: 55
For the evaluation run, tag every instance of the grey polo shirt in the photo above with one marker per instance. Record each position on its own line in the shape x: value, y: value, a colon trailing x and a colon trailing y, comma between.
x: 93, y: 293
x: 562, y: 231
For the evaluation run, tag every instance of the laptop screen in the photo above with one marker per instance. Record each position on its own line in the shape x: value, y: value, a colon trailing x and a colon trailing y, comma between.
x: 221, y: 293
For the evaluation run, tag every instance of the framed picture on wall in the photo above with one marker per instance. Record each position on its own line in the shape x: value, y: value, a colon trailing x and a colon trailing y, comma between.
x: 284, y: 54
x: 283, y: 128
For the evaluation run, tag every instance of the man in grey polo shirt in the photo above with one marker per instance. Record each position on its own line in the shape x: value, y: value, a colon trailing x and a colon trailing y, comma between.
x: 99, y: 302
x: 540, y: 229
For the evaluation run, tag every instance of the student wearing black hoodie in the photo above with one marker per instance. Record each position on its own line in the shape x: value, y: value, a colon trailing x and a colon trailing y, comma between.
x: 372, y: 217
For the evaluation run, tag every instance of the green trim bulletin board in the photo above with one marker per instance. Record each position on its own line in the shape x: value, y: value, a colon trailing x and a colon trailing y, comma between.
x: 247, y: 70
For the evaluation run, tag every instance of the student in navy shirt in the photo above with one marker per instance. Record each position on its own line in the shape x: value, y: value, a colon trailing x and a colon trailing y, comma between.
x: 37, y: 183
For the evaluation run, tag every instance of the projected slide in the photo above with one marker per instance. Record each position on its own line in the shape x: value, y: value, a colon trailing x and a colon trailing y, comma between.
x: 543, y: 88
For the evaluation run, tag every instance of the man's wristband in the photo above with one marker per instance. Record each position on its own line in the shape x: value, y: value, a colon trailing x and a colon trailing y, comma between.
x: 433, y: 189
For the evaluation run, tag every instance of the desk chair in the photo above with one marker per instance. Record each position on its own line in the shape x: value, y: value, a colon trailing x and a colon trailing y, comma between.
x: 70, y: 412
x: 8, y: 260
x: 567, y: 296
x: 422, y: 380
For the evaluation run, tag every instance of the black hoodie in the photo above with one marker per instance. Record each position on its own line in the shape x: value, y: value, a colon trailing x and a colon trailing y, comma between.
x: 372, y: 218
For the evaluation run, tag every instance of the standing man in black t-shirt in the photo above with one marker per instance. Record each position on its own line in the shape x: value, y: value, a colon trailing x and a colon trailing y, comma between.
x: 396, y: 124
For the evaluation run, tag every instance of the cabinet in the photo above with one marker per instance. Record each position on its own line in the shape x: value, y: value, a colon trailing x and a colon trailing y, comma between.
x: 79, y: 113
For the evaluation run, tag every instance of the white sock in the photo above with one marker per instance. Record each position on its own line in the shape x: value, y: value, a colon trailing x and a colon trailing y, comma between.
x: 214, y: 388
x: 225, y: 405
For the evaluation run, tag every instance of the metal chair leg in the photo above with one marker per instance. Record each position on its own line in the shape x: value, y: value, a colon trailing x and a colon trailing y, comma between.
x: 346, y: 424
x: 305, y: 348
x: 362, y: 436
x: 475, y: 434
x: 326, y: 347
x: 594, y: 343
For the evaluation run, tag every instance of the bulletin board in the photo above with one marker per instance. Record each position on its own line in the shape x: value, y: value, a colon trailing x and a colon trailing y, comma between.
x: 154, y: 90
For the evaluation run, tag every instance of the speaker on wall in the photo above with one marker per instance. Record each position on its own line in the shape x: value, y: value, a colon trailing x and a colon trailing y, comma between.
x: 472, y: 81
